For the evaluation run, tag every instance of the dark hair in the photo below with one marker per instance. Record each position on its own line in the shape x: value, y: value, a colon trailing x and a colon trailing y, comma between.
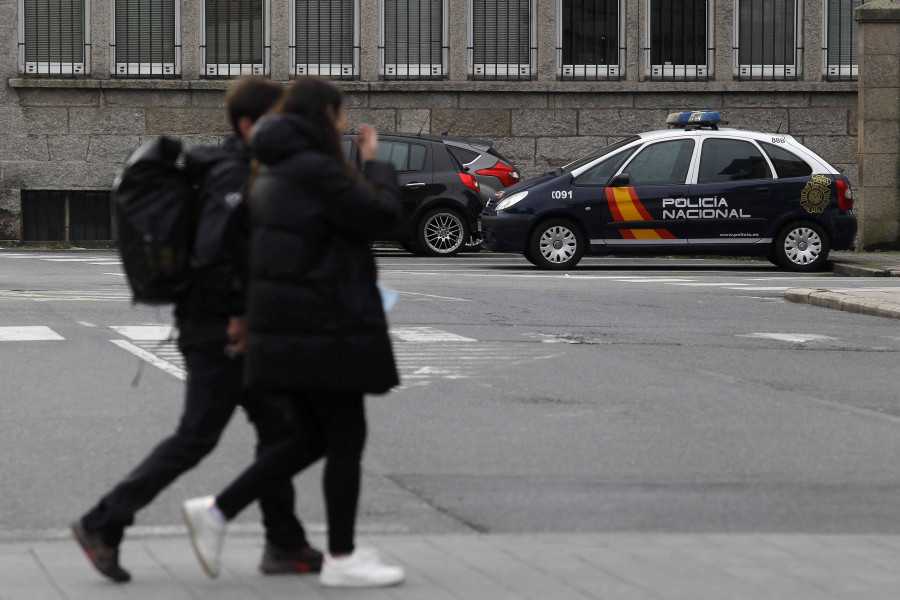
x: 310, y: 97
x: 251, y: 97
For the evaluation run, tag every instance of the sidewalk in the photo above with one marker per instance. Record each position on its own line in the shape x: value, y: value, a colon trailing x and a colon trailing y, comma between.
x: 879, y: 301
x: 491, y: 567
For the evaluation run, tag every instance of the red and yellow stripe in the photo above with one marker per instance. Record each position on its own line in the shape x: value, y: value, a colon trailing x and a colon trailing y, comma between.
x: 625, y: 205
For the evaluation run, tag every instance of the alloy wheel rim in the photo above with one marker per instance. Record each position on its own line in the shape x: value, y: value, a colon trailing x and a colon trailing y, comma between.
x: 803, y: 246
x: 558, y: 244
x: 443, y: 233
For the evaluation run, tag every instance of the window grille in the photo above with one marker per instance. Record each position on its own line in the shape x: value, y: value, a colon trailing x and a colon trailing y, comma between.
x: 767, y: 39
x: 145, y: 39
x: 679, y: 40
x: 326, y: 38
x: 54, y: 37
x: 501, y: 35
x: 840, y: 44
x: 591, y: 35
x: 66, y: 216
x: 235, y: 37
x: 413, y: 34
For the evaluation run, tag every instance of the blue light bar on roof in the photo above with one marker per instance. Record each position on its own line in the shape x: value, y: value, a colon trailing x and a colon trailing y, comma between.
x: 698, y: 118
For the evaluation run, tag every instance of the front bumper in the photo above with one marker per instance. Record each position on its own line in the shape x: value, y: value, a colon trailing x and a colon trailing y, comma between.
x: 503, y: 232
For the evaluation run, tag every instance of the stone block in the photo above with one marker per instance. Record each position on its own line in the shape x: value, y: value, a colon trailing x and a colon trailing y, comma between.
x: 414, y: 120
x: 384, y: 121
x: 848, y: 99
x: 27, y: 120
x: 24, y: 147
x: 833, y: 148
x: 68, y: 147
x: 881, y: 104
x: 818, y: 121
x: 112, y: 148
x: 492, y: 100
x: 58, y: 97
x: 881, y: 38
x: 879, y: 71
x: 482, y: 123
x: 544, y: 122
x: 516, y: 149
x: 880, y: 235
x: 187, y: 121
x: 879, y: 202
x: 595, y: 100
x: 207, y: 99
x: 356, y: 99
x: 766, y: 100
x: 146, y: 98
x: 10, y: 214
x: 853, y: 121
x: 189, y: 142
x: 597, y: 122
x: 881, y: 137
x: 770, y: 120
x: 58, y: 175
x: 679, y: 101
x: 851, y: 172
x: 880, y: 169
x: 560, y: 151
x: 107, y: 121
x: 412, y: 100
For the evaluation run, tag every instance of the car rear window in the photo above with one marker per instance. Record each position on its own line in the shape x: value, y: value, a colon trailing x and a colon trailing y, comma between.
x: 462, y: 155
x: 731, y: 160
x: 786, y: 163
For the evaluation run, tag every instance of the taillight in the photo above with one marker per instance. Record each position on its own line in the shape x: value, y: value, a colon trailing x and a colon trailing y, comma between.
x: 845, y: 196
x: 506, y: 174
x: 470, y: 182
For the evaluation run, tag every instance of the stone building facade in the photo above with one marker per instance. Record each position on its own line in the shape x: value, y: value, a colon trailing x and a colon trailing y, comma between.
x: 64, y: 131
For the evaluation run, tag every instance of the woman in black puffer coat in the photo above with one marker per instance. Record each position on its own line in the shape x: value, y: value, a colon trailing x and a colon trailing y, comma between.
x: 316, y: 326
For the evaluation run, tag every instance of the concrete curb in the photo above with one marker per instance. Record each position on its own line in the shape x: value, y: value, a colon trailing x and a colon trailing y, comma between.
x: 851, y: 270
x: 845, y: 302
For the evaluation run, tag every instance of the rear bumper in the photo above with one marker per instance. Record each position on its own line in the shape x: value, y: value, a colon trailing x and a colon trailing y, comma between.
x: 844, y: 232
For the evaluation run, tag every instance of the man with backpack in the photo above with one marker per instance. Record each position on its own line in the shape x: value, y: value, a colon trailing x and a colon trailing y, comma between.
x: 210, y: 321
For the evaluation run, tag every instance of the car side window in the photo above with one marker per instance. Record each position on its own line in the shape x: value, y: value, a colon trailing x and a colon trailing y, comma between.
x: 345, y: 147
x: 662, y: 163
x: 601, y: 173
x: 786, y: 163
x: 731, y: 160
x: 404, y: 156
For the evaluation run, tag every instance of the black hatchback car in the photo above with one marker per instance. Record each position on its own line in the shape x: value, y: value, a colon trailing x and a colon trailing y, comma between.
x: 441, y: 199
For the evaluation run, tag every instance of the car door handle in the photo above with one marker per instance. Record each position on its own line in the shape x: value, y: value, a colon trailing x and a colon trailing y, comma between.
x: 415, y: 184
x: 763, y: 190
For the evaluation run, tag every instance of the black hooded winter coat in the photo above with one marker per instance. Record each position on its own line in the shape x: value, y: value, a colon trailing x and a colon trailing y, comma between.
x: 314, y: 314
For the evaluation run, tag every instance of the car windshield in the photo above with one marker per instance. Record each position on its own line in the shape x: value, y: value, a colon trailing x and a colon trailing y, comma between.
x: 603, y: 152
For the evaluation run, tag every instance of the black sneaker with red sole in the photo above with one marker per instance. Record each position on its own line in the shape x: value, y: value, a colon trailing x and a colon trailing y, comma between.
x: 277, y: 561
x: 104, y: 558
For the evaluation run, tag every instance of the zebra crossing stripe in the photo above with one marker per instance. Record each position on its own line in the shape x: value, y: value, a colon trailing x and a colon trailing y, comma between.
x: 152, y: 359
x: 36, y: 333
x: 427, y: 334
x: 146, y: 333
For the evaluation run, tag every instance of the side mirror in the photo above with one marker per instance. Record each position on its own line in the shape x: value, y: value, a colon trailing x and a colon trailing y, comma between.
x: 620, y: 180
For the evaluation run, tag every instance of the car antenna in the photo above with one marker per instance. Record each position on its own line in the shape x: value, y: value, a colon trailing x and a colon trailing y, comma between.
x: 458, y: 115
x: 781, y: 122
x: 425, y: 122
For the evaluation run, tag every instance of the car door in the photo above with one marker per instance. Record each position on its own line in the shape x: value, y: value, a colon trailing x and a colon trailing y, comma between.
x: 414, y: 173
x: 635, y: 213
x: 735, y: 196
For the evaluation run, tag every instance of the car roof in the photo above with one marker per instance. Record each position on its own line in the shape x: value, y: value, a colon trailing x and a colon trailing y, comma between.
x: 482, y: 145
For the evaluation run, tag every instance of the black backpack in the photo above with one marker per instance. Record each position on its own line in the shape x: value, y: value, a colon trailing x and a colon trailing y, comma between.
x: 156, y: 214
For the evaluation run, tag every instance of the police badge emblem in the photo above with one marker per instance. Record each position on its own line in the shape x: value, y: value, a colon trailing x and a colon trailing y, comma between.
x: 814, y: 197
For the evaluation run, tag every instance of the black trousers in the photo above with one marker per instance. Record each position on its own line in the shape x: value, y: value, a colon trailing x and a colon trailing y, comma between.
x: 329, y: 424
x: 214, y: 390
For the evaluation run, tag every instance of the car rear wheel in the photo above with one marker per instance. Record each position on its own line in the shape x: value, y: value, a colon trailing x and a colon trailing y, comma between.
x: 556, y: 244
x: 442, y: 232
x: 801, y: 246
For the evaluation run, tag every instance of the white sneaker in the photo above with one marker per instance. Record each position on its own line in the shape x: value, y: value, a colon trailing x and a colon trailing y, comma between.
x: 206, y: 532
x: 363, y: 568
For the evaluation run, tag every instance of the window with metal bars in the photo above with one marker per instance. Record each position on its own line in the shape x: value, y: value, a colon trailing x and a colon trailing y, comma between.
x: 145, y: 39
x: 591, y: 33
x: 54, y: 37
x: 501, y: 34
x: 235, y: 37
x: 413, y: 35
x: 66, y: 216
x: 325, y: 39
x: 767, y: 39
x: 679, y: 39
x: 840, y: 44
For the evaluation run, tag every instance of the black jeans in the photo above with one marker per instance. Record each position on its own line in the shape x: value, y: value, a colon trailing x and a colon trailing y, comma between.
x: 214, y: 390
x: 329, y: 424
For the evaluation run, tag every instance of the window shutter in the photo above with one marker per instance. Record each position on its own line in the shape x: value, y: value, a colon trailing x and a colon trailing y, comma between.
x: 590, y: 32
x: 678, y: 32
x: 324, y: 32
x: 843, y: 33
x: 145, y: 31
x: 766, y: 32
x: 54, y: 31
x: 234, y: 32
x: 501, y: 32
x: 413, y: 32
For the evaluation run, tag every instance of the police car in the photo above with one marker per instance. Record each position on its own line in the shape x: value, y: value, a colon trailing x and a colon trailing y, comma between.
x: 694, y: 188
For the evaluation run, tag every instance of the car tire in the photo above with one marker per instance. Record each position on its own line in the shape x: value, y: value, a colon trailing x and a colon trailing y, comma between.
x: 473, y: 244
x: 442, y: 232
x: 801, y: 246
x: 556, y: 244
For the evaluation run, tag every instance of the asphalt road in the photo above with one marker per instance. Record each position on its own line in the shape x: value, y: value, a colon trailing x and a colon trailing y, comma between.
x: 647, y: 395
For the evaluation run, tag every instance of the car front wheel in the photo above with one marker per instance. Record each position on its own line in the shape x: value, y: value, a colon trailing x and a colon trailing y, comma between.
x: 442, y: 232
x: 801, y: 246
x: 556, y: 244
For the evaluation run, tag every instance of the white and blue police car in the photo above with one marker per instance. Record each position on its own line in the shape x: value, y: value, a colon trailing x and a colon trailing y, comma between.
x: 694, y: 188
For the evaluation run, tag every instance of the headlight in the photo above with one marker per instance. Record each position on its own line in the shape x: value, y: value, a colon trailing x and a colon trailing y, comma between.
x: 507, y: 202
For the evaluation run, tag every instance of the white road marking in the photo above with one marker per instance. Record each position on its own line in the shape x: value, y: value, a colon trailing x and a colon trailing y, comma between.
x: 427, y: 334
x: 711, y: 284
x: 116, y: 274
x: 433, y: 296
x: 152, y: 359
x: 146, y: 333
x: 85, y: 323
x: 37, y: 333
x: 800, y: 338
x: 649, y: 280
x: 760, y: 289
